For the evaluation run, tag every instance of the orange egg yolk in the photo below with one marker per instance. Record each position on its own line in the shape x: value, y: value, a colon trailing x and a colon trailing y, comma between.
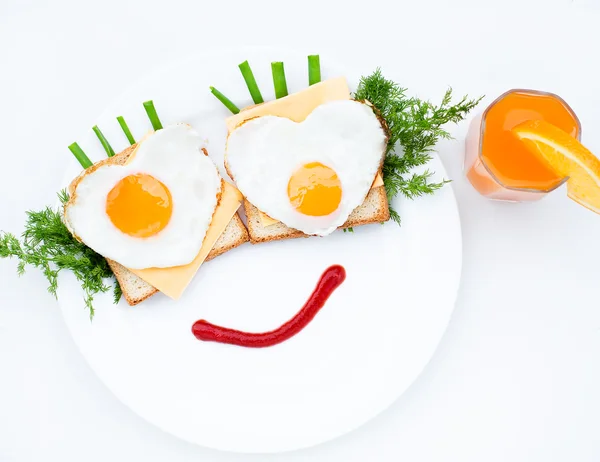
x: 315, y: 189
x: 139, y: 205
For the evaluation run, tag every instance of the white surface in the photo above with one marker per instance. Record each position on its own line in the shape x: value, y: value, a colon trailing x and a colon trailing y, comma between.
x: 358, y: 355
x: 516, y: 376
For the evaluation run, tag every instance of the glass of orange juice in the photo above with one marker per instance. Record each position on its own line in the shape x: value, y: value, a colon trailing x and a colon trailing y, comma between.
x: 497, y: 164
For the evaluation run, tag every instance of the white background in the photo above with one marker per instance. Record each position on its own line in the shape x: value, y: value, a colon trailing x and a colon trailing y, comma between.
x: 517, y: 375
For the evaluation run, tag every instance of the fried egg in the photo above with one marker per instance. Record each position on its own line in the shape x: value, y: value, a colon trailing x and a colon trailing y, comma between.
x: 309, y: 175
x: 152, y: 212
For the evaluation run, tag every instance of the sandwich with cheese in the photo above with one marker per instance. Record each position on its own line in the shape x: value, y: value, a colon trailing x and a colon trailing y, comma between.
x: 308, y: 163
x: 156, y: 212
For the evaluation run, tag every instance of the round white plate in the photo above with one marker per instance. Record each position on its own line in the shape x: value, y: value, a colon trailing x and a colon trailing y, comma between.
x: 361, y: 352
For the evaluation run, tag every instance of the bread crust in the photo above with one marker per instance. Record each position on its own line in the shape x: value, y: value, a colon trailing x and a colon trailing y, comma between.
x: 278, y: 231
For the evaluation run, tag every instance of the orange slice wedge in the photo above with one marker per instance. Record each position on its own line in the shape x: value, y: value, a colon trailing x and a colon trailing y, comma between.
x: 567, y: 157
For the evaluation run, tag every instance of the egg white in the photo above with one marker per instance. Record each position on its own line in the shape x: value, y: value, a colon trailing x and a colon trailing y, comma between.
x: 263, y: 153
x: 173, y: 156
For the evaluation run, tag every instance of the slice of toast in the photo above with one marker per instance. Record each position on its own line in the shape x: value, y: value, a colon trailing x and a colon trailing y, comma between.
x: 374, y: 209
x: 135, y: 289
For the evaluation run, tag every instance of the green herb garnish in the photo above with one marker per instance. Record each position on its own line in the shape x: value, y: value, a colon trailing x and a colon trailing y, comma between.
x: 314, y: 69
x: 117, y: 292
x: 80, y: 155
x: 415, y: 126
x: 103, y: 141
x: 126, y: 130
x: 226, y: 101
x: 152, y: 115
x: 279, y: 79
x: 48, y: 245
x: 251, y: 82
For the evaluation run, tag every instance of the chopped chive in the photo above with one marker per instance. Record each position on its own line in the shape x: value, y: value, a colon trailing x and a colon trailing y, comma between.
x: 279, y: 79
x: 152, y: 115
x: 251, y: 82
x: 80, y: 155
x: 105, y: 144
x: 314, y: 69
x: 226, y: 101
x: 126, y: 130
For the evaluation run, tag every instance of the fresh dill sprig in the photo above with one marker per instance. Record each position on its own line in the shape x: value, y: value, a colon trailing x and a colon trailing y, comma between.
x: 48, y: 245
x: 414, y: 127
x: 117, y: 292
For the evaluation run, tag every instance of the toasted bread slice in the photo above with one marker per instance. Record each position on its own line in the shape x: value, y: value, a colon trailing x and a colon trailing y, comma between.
x: 374, y: 209
x: 135, y: 289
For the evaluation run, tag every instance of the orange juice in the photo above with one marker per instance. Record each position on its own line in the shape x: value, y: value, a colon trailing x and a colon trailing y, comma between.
x: 498, y: 164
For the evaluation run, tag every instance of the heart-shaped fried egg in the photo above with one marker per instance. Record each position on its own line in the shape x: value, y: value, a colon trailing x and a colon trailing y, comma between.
x: 309, y: 175
x: 155, y: 210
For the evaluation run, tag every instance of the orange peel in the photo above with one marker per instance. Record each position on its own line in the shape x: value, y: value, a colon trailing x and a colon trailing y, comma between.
x: 567, y: 157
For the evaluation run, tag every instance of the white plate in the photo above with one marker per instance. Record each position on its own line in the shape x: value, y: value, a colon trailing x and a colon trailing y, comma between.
x: 361, y: 352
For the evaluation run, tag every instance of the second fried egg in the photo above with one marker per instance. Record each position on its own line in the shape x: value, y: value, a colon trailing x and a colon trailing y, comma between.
x: 309, y: 175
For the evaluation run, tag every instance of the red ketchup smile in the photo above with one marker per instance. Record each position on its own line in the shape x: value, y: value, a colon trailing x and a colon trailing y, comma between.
x: 330, y: 280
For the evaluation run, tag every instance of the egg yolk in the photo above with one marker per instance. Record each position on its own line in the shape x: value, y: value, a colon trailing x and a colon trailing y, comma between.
x: 139, y: 205
x: 315, y: 189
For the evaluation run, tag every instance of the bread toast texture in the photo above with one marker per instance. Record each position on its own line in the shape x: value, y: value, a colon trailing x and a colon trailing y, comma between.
x: 374, y: 209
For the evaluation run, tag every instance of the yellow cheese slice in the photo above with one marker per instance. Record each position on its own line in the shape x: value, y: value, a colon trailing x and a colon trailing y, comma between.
x: 173, y: 281
x: 296, y: 107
